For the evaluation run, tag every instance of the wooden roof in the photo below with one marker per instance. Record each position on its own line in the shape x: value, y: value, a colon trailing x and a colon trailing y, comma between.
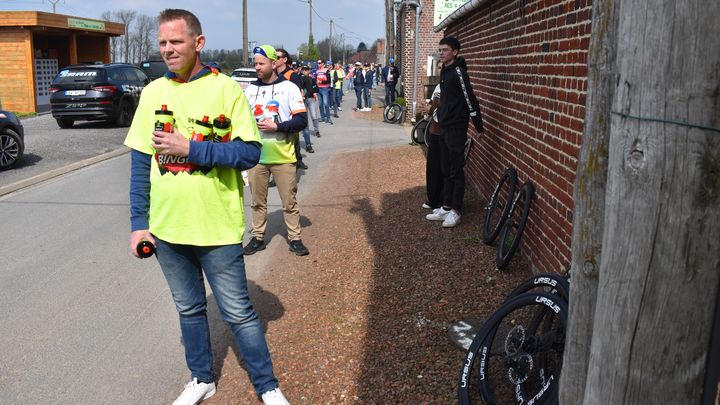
x: 39, y: 19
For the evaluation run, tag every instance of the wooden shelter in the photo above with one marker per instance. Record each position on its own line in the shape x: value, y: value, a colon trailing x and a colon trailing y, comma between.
x: 34, y: 45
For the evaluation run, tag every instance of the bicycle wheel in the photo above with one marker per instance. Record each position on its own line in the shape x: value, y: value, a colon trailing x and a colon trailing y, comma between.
x: 498, y: 206
x: 557, y: 284
x: 392, y: 113
x: 468, y: 148
x: 514, y: 226
x: 417, y: 134
x: 516, y: 357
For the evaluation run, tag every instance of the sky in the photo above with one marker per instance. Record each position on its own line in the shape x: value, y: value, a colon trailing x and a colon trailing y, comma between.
x: 275, y: 22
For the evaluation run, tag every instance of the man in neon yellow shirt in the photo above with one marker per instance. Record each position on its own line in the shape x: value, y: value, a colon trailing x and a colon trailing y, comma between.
x: 279, y: 110
x: 338, y: 75
x: 186, y: 199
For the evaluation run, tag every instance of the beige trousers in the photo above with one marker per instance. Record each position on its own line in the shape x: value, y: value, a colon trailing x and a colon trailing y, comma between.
x: 286, y: 184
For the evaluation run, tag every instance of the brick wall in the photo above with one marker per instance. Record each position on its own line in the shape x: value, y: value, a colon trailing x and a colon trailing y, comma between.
x: 528, y: 67
x: 427, y: 45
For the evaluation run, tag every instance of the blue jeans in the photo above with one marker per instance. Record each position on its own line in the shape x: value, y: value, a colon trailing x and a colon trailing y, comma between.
x: 338, y: 97
x: 324, y: 101
x: 224, y: 267
x: 389, y: 93
x: 367, y: 97
x: 359, y: 95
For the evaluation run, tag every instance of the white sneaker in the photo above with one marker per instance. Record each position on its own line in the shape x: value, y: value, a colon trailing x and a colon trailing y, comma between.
x: 368, y: 109
x: 274, y: 397
x: 340, y: 108
x: 195, y: 392
x: 438, y: 214
x: 452, y: 219
x: 426, y: 206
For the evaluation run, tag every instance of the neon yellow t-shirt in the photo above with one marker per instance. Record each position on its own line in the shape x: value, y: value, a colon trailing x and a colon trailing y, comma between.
x: 278, y: 101
x: 341, y: 75
x: 193, y: 205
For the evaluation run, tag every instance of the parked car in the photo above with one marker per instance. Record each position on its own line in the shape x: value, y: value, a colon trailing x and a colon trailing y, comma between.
x: 154, y: 68
x: 244, y: 76
x: 12, y: 140
x: 96, y: 92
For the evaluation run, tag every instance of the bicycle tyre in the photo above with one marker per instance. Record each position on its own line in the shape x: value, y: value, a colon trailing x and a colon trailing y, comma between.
x: 558, y: 284
x: 426, y: 134
x: 392, y: 113
x: 468, y: 147
x: 549, y: 342
x: 417, y: 134
x: 490, y: 229
x: 506, y: 249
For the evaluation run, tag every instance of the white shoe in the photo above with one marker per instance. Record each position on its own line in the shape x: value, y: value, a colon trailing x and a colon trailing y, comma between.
x: 274, y: 397
x: 452, y: 219
x: 340, y: 108
x: 438, y: 214
x: 426, y: 206
x: 195, y: 392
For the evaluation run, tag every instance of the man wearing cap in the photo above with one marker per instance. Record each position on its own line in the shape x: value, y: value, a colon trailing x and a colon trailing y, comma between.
x: 283, y: 59
x: 390, y: 78
x: 359, y: 84
x: 280, y: 113
x: 322, y: 76
x: 186, y: 198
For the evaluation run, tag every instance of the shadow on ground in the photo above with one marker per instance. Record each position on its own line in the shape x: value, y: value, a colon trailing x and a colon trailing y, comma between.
x: 424, y: 278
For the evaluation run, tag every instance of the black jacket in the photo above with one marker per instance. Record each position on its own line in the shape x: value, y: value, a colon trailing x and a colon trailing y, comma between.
x: 459, y: 101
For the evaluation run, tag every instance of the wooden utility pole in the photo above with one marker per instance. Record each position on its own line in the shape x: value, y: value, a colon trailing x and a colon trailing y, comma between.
x: 245, y: 34
x: 659, y: 267
x: 589, y: 199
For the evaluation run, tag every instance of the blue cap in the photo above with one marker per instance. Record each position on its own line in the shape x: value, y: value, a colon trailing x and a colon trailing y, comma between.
x: 329, y: 62
x: 392, y: 60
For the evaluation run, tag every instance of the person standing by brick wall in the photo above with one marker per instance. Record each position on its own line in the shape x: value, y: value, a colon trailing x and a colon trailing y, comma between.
x: 458, y: 104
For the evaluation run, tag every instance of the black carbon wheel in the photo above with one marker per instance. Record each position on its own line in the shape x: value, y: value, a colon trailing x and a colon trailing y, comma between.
x: 498, y: 206
x: 515, y: 225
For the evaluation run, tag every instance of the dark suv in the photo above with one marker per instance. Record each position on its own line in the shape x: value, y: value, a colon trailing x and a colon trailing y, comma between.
x: 96, y: 92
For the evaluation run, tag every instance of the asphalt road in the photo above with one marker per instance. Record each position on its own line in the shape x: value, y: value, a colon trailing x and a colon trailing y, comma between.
x: 49, y: 148
x: 83, y: 321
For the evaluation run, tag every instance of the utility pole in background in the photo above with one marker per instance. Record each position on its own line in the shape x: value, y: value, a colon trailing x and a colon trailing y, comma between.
x: 54, y: 2
x: 389, y: 30
x: 310, y: 16
x: 245, y: 33
x: 330, y: 44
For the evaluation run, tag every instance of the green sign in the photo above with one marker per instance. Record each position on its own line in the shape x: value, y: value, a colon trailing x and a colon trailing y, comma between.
x: 86, y: 24
x: 444, y: 8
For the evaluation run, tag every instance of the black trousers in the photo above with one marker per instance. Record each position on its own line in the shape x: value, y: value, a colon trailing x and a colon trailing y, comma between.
x: 452, y: 165
x: 433, y: 172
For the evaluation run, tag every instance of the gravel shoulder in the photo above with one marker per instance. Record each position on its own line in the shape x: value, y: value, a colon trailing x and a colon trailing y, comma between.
x: 364, y: 318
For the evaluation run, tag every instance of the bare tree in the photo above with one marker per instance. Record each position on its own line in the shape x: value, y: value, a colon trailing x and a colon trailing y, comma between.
x: 126, y: 17
x: 659, y: 266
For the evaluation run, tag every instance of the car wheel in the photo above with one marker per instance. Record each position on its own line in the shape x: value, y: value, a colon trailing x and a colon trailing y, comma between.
x: 64, y: 123
x: 11, y: 148
x: 125, y: 114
